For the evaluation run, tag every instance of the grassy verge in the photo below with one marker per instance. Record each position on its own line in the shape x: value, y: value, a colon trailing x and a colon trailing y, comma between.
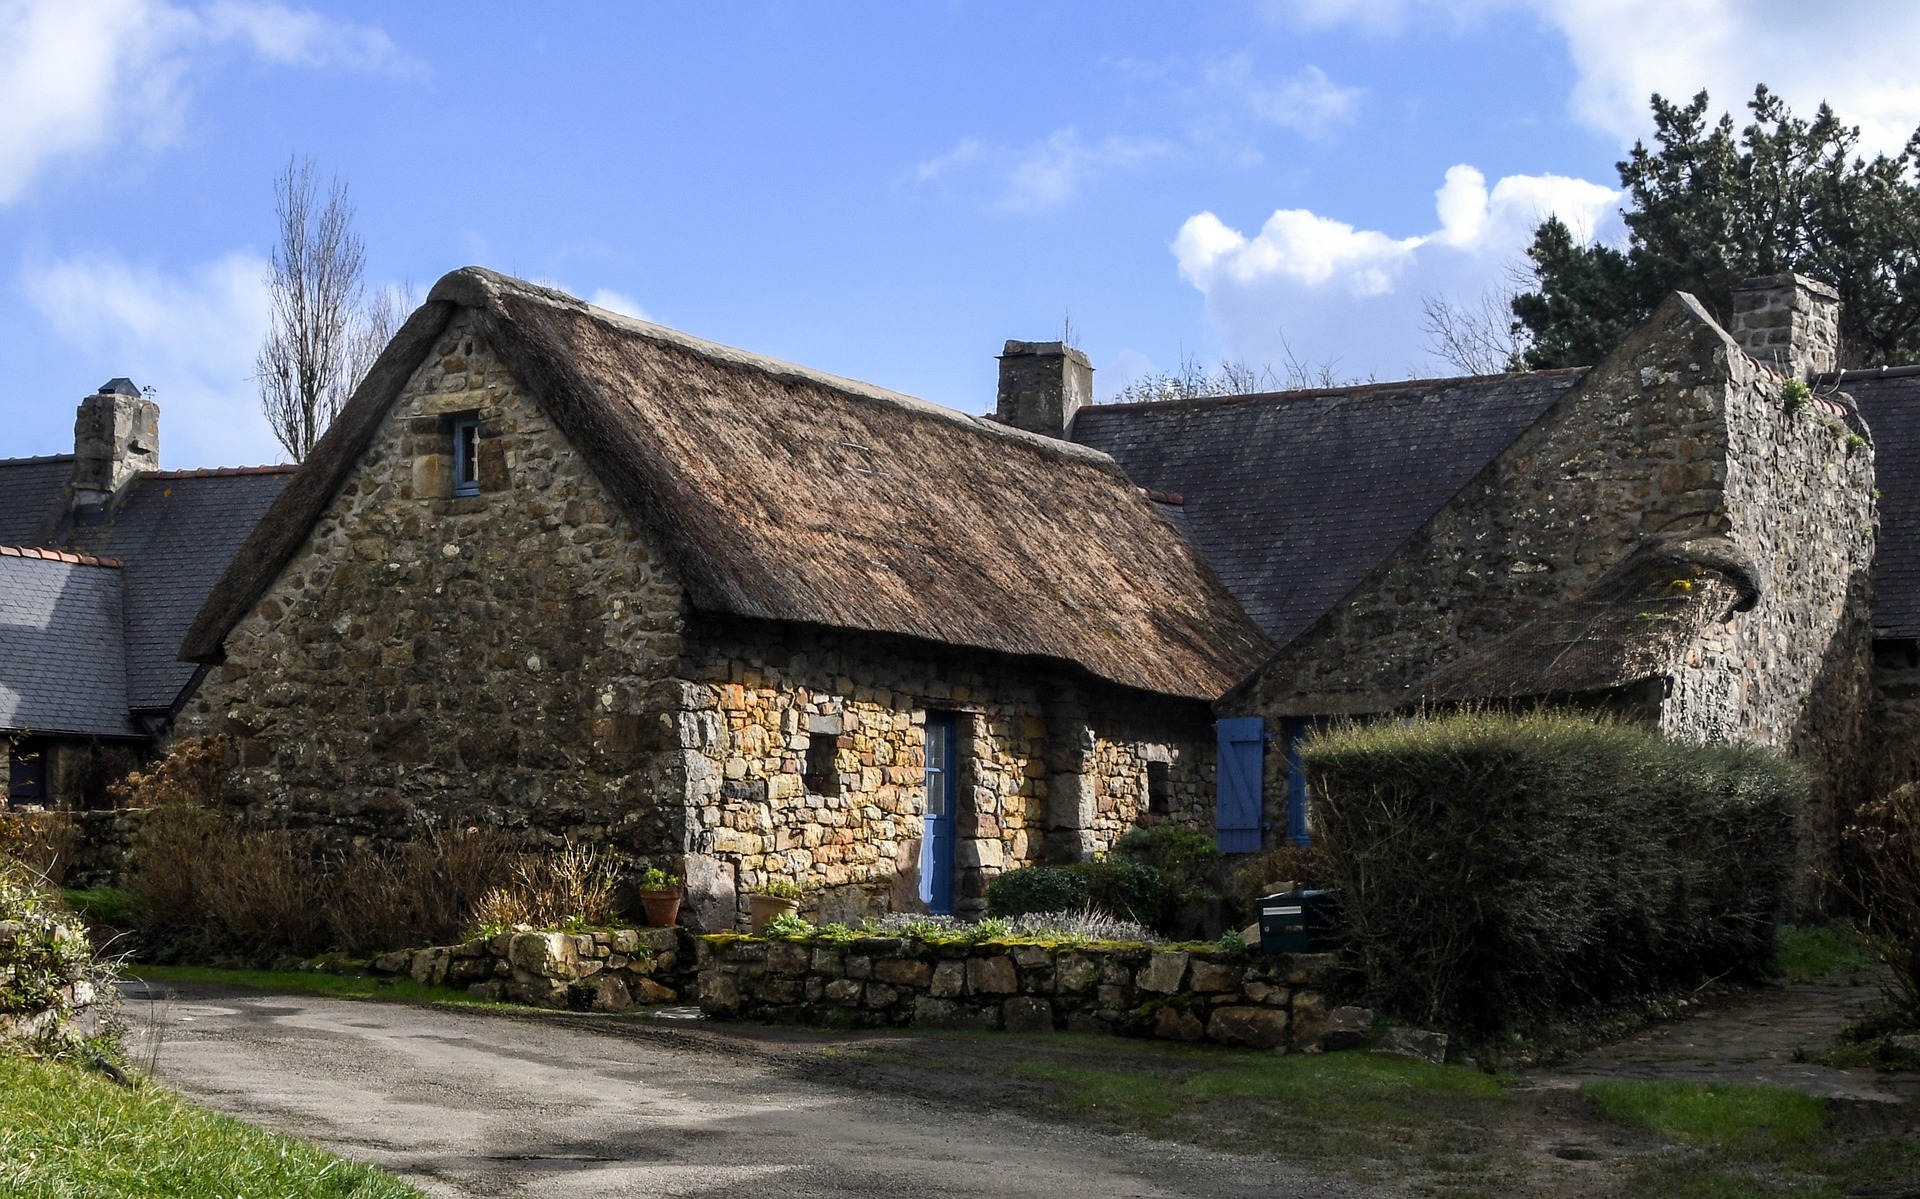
x: 303, y: 982
x: 1826, y: 953
x: 67, y: 1133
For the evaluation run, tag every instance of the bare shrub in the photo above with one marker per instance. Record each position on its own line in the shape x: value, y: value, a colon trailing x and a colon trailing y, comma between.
x: 1885, y: 835
x: 173, y: 853
x: 574, y: 886
x: 424, y: 892
x: 265, y: 892
x: 43, y: 842
x: 193, y: 774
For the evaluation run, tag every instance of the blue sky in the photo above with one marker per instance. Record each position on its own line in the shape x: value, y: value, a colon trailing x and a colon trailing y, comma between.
x: 882, y: 190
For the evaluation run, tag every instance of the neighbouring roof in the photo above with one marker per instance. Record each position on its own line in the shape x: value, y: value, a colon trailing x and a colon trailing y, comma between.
x: 1634, y: 623
x: 32, y: 497
x: 1294, y: 497
x: 60, y: 640
x: 1890, y: 402
x: 784, y: 493
x: 174, y: 534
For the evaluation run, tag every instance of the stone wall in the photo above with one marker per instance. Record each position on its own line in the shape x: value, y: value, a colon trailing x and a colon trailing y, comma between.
x: 607, y: 970
x: 438, y: 659
x: 762, y: 693
x: 1229, y: 998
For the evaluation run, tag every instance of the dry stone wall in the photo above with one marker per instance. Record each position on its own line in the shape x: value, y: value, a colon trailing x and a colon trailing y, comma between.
x: 606, y: 970
x: 432, y: 658
x: 1277, y: 1002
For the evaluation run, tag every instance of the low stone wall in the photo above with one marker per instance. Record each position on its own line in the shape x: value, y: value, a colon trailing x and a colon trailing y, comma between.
x: 1243, y: 999
x: 598, y: 971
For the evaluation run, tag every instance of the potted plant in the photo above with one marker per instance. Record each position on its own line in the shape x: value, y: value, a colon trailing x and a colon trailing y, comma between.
x: 775, y: 897
x: 660, y: 895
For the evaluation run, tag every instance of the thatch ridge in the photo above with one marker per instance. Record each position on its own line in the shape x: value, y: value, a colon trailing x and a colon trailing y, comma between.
x: 788, y: 494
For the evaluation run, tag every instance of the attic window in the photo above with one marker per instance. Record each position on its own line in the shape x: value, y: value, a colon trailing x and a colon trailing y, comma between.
x: 466, y: 457
x: 822, y: 748
x: 1159, y: 788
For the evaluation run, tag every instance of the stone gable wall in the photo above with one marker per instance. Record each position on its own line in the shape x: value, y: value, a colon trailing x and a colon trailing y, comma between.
x: 429, y: 659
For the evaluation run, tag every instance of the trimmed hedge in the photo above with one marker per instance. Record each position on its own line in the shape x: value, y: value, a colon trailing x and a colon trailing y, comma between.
x: 1495, y: 868
x: 1126, y: 890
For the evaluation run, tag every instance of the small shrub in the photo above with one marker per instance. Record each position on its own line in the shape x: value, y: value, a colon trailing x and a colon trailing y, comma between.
x: 42, y: 842
x: 914, y: 924
x: 420, y: 893
x: 575, y: 886
x: 1086, y: 924
x: 1300, y: 865
x: 1037, y: 889
x: 656, y: 879
x: 1184, y: 858
x: 265, y: 893
x: 779, y: 888
x: 787, y: 924
x: 1132, y: 890
x: 1495, y: 867
x: 1885, y: 837
x: 193, y: 774
x: 45, y: 959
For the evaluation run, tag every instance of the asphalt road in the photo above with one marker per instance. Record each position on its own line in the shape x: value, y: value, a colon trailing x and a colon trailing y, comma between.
x: 464, y: 1104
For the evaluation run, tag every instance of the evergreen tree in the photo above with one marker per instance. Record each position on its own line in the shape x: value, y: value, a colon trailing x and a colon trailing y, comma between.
x: 1710, y: 208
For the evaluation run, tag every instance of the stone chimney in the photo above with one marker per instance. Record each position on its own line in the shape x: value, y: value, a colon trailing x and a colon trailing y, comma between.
x: 116, y: 435
x: 1790, y: 323
x: 1042, y: 384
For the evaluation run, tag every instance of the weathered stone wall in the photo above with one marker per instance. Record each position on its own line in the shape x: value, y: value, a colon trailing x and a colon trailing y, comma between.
x: 1230, y: 998
x: 761, y: 692
x: 608, y: 970
x: 429, y: 658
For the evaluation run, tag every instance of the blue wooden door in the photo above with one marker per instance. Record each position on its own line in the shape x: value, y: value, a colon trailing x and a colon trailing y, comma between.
x: 936, y: 846
x: 1242, y: 759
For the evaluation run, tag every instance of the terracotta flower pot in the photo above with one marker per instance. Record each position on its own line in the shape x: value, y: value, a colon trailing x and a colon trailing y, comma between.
x: 663, y: 907
x: 764, y: 908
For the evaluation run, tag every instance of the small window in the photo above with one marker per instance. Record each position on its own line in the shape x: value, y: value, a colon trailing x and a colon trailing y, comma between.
x: 822, y: 778
x: 27, y: 773
x: 1159, y: 788
x: 466, y: 457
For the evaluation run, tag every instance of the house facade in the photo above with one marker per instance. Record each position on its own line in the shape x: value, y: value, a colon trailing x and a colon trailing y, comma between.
x: 558, y: 570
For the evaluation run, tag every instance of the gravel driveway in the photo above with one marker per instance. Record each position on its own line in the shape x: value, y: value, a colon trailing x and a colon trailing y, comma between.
x: 475, y: 1103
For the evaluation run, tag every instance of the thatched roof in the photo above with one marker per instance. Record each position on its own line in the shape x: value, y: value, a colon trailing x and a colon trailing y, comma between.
x: 1634, y: 623
x: 788, y: 494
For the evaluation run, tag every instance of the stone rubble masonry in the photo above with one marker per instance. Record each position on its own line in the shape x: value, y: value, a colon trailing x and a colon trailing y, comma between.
x: 1678, y: 434
x: 1789, y: 323
x: 604, y: 971
x: 525, y: 658
x: 1256, y: 1002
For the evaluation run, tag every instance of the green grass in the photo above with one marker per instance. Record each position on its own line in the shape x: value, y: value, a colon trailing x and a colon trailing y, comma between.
x: 1826, y: 952
x: 107, y: 905
x: 303, y: 982
x: 69, y: 1134
x: 1712, y: 1114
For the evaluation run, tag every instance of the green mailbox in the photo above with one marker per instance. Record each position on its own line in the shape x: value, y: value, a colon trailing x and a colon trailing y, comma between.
x: 1297, y: 922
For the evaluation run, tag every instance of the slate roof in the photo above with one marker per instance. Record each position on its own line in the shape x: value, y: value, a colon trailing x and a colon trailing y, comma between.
x: 174, y: 534
x: 32, y: 497
x: 60, y: 641
x: 1890, y: 402
x: 1293, y: 497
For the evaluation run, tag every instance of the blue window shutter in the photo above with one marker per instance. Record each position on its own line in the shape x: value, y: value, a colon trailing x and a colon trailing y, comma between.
x: 1239, y: 773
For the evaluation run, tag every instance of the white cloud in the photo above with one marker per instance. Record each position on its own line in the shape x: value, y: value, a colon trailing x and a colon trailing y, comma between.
x: 620, y: 302
x: 191, y: 336
x: 1048, y: 173
x: 1856, y: 56
x: 1310, y: 285
x: 1307, y: 102
x: 78, y: 76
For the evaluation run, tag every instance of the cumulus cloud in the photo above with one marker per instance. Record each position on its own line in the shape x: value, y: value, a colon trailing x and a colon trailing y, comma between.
x: 1309, y: 285
x: 79, y: 76
x: 190, y: 335
x: 1048, y: 173
x: 1855, y: 56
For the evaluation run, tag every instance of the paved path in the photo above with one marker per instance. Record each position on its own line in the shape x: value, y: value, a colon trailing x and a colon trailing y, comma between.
x: 1751, y: 1038
x: 466, y: 1103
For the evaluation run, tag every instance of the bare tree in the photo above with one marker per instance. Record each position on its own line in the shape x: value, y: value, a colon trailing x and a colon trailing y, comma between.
x: 1192, y: 381
x: 1481, y: 338
x: 316, y: 349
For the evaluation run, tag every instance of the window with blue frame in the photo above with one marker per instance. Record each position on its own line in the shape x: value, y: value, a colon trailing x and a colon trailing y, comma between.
x: 1299, y: 801
x: 466, y: 456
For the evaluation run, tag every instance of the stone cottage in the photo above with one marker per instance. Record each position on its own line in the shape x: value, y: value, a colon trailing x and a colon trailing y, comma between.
x: 557, y: 569
x: 104, y: 561
x: 1683, y: 533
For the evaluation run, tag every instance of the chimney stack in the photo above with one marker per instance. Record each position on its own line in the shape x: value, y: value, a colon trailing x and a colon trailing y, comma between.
x: 1790, y: 323
x: 1042, y: 385
x: 116, y: 435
